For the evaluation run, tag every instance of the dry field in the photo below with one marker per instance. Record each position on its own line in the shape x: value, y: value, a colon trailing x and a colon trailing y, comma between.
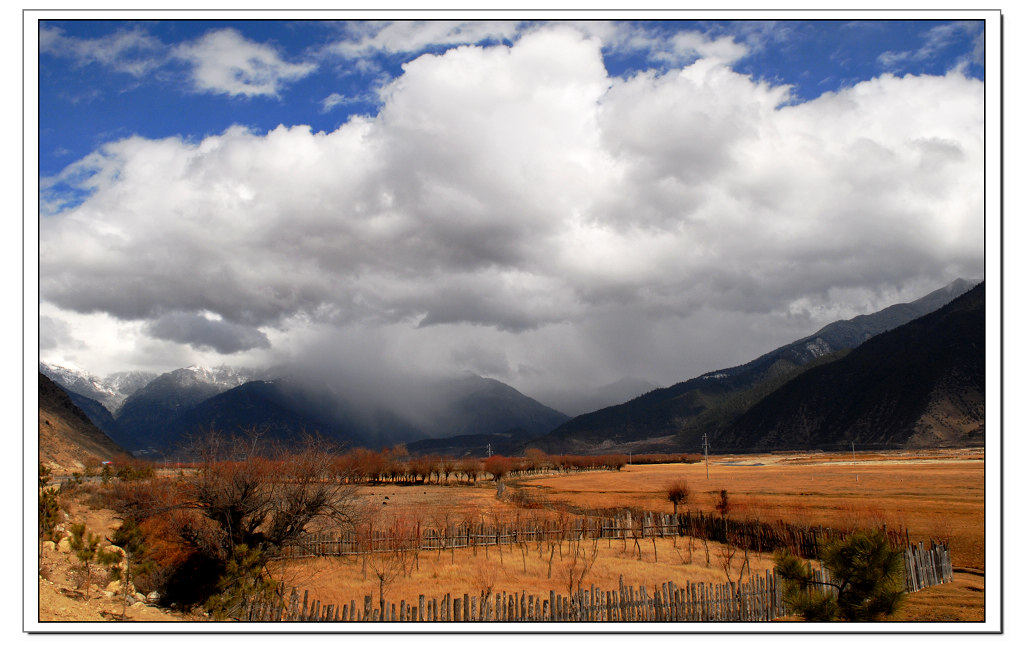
x: 933, y: 494
x: 337, y: 580
x: 938, y: 494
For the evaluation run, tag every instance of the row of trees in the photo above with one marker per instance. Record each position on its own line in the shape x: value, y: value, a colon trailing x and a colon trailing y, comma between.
x: 395, y: 465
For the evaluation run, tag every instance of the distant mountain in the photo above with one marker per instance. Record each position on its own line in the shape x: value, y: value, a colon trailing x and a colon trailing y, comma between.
x: 284, y: 408
x: 919, y: 385
x: 675, y: 418
x: 110, y: 391
x: 67, y: 438
x: 279, y: 410
x: 471, y: 405
x: 478, y: 445
x: 98, y: 414
x: 146, y: 417
x: 575, y: 401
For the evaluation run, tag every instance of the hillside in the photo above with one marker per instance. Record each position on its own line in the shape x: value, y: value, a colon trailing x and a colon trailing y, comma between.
x: 164, y: 415
x: 146, y: 417
x: 67, y: 438
x: 276, y: 409
x: 922, y: 384
x: 676, y: 418
x: 503, y: 443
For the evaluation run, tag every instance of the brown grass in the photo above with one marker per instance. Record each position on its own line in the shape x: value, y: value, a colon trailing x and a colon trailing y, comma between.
x: 963, y: 600
x: 337, y: 580
x: 933, y: 494
x: 939, y: 496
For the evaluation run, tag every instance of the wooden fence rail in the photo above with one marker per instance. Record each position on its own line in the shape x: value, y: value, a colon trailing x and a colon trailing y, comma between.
x: 754, y: 601
x: 750, y: 535
x: 757, y: 600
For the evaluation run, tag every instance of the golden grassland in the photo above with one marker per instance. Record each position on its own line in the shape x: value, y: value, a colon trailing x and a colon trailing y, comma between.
x: 938, y: 495
x: 515, y: 568
x: 933, y: 494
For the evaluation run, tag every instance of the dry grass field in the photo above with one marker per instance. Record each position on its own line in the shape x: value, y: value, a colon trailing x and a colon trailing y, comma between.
x: 338, y: 580
x: 936, y: 494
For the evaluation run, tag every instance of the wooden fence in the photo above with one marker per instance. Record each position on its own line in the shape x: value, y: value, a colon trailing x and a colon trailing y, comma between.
x: 757, y: 600
x: 750, y: 535
x: 924, y: 568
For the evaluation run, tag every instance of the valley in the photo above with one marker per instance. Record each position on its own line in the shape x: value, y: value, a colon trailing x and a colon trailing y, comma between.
x: 804, y: 440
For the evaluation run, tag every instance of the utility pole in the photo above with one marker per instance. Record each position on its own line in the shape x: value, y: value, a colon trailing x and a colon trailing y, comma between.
x: 853, y: 447
x: 707, y: 474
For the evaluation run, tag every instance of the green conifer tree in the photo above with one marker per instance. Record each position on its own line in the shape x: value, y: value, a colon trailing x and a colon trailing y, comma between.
x: 865, y: 580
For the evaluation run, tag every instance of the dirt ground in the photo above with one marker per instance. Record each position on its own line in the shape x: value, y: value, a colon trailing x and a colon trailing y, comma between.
x: 62, y: 593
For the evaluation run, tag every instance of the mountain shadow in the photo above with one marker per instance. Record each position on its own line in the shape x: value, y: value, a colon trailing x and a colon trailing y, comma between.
x: 67, y: 437
x: 676, y: 418
x: 920, y: 385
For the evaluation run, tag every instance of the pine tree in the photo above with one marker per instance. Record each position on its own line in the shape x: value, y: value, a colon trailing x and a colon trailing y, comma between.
x: 85, y: 546
x: 865, y: 580
x: 130, y: 538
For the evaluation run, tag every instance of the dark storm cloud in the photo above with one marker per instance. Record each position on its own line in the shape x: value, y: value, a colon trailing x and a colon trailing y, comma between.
x: 204, y: 333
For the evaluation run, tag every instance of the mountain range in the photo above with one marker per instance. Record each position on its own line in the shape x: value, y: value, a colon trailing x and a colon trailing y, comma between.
x: 814, y: 381
x: 676, y: 418
x: 919, y: 385
x: 162, y: 415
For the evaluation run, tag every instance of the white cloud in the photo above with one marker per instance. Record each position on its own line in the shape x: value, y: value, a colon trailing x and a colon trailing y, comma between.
x: 365, y: 37
x: 333, y: 100
x: 226, y: 62
x: 519, y: 199
x: 130, y: 51
x: 935, y: 40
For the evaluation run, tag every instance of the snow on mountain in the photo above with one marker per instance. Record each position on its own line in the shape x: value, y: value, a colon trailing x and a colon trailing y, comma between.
x: 222, y: 376
x: 113, y: 390
x: 126, y: 383
x: 86, y: 384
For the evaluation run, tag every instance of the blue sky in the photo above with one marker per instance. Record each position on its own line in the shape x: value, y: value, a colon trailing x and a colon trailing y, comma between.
x: 85, y: 102
x: 553, y: 204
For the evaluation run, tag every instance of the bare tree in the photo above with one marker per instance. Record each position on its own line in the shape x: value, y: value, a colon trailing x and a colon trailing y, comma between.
x: 582, y: 553
x: 394, y: 557
x: 678, y: 492
x: 245, y: 501
x: 266, y: 497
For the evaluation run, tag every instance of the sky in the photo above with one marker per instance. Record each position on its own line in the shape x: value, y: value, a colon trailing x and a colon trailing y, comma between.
x: 552, y: 204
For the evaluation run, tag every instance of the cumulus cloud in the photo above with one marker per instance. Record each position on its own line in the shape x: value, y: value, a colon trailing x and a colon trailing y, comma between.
x: 225, y: 62
x: 519, y: 199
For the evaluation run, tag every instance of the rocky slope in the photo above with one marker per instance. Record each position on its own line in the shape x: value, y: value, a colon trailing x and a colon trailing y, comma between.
x: 67, y: 438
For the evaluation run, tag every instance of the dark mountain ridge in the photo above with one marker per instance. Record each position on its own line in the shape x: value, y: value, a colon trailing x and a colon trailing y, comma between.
x: 286, y: 407
x: 922, y: 384
x: 675, y: 418
x: 146, y: 417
